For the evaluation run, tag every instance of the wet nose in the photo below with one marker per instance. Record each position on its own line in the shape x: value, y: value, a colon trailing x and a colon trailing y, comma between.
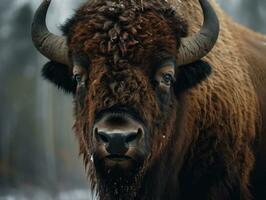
x: 118, y: 133
x: 118, y: 143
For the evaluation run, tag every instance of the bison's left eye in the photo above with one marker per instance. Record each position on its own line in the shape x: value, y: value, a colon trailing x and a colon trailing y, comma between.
x: 167, y: 79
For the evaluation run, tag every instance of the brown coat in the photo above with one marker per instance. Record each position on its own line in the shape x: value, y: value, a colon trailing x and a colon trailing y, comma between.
x: 231, y: 103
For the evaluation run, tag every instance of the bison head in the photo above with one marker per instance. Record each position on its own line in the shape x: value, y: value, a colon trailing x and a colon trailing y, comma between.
x: 128, y: 65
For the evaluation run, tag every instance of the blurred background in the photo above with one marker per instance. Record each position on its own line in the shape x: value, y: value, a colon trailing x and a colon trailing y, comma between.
x: 38, y: 151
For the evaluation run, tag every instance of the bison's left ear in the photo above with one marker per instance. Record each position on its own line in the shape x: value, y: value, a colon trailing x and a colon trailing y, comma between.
x: 190, y: 75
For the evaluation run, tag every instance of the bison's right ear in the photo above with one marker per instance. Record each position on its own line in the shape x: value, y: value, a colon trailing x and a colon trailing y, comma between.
x: 60, y: 75
x: 190, y: 75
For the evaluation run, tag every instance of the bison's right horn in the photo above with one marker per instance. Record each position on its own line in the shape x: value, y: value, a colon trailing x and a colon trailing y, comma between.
x: 199, y: 45
x: 50, y: 45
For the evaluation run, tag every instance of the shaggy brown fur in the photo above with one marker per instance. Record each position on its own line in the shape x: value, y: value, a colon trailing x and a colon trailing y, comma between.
x: 202, y: 140
x: 124, y: 54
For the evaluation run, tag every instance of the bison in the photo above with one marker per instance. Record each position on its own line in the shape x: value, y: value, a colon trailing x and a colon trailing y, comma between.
x: 170, y: 99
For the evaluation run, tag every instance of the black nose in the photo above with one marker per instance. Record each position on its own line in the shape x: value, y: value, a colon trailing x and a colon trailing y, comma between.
x: 117, y: 143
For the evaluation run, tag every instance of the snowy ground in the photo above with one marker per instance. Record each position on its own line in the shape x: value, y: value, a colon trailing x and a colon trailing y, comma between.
x: 43, y: 195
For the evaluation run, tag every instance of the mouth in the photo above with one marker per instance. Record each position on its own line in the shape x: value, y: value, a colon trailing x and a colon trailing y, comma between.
x: 118, y: 158
x: 117, y: 165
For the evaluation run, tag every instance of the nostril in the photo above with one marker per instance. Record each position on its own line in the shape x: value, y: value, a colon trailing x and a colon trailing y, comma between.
x: 131, y: 137
x: 103, y: 137
x: 134, y: 136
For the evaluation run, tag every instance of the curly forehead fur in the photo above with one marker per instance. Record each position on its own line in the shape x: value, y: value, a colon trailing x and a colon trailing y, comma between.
x: 125, y: 30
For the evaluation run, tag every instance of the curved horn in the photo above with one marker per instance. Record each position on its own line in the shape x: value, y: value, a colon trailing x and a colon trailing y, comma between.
x: 200, y: 44
x: 50, y: 45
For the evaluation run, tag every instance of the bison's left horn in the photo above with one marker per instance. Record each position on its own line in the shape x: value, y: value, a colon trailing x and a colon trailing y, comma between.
x: 50, y: 45
x: 199, y: 45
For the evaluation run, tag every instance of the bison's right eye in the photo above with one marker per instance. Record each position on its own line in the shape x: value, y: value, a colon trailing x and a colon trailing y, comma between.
x: 77, y: 78
x: 79, y: 75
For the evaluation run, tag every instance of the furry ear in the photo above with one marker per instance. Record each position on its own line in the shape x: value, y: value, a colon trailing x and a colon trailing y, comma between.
x: 60, y: 75
x: 190, y: 75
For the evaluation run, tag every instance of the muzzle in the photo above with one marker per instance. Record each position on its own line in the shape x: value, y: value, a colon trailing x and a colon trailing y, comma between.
x: 119, y: 139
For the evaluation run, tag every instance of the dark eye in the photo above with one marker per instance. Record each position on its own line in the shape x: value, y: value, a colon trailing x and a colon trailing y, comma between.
x: 77, y: 78
x: 167, y: 78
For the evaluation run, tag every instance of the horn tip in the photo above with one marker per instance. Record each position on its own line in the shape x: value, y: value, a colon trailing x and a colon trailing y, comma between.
x: 46, y: 2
